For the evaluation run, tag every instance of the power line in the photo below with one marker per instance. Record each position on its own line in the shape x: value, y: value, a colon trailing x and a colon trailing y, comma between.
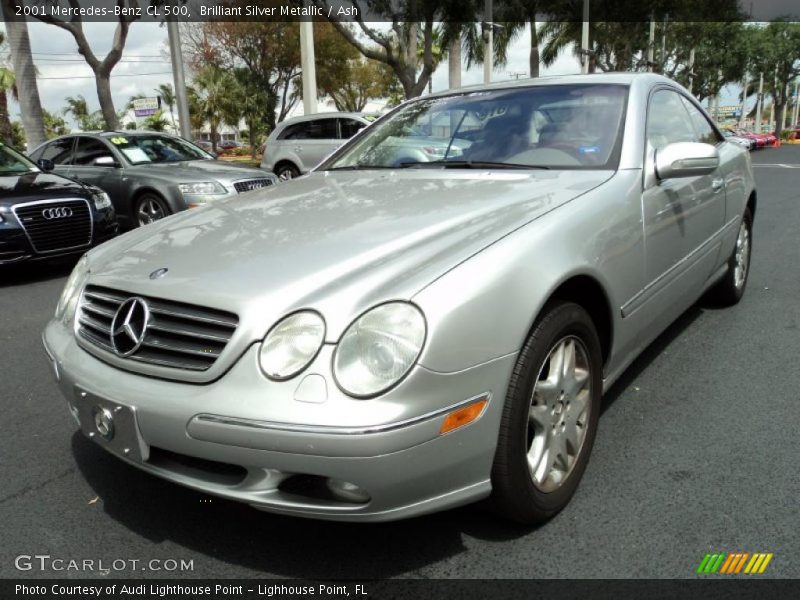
x: 124, y: 75
x: 79, y: 54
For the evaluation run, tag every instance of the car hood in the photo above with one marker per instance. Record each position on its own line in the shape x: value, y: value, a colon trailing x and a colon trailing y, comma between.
x: 39, y: 186
x: 336, y: 242
x: 197, y: 170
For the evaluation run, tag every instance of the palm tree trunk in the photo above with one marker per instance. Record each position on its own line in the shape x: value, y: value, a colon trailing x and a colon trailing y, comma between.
x: 6, y: 133
x: 534, y: 56
x: 29, y: 103
x: 454, y: 63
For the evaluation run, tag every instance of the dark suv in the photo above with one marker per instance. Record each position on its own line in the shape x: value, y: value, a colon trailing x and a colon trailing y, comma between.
x: 43, y: 215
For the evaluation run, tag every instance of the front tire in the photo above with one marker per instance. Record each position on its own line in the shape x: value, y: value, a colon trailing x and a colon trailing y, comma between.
x: 730, y: 288
x: 149, y: 208
x: 550, y: 416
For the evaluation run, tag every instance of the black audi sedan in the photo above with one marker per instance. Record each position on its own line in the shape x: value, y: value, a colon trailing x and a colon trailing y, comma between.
x: 44, y: 215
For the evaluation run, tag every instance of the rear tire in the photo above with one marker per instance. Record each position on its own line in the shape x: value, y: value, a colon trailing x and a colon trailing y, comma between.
x: 550, y: 416
x: 730, y: 288
x: 149, y: 208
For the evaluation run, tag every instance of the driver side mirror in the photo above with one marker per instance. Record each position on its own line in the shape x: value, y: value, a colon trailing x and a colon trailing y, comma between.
x: 686, y: 159
x: 45, y: 164
x: 104, y: 161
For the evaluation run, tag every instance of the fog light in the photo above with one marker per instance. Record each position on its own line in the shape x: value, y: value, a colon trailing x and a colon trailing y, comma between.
x: 463, y: 416
x: 347, y: 491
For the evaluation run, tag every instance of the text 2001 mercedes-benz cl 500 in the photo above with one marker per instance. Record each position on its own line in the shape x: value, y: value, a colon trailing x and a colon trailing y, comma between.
x: 399, y: 332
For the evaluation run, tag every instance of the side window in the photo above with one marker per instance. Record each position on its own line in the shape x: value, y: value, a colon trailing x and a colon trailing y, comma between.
x: 59, y: 151
x: 350, y: 127
x: 322, y: 129
x: 89, y: 149
x: 704, y: 131
x: 667, y: 120
x: 294, y: 132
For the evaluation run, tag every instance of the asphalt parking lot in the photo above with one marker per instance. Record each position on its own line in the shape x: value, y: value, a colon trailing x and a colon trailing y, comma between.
x: 697, y: 452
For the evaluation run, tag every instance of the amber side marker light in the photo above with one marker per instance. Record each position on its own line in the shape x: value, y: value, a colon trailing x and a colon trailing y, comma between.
x: 463, y: 416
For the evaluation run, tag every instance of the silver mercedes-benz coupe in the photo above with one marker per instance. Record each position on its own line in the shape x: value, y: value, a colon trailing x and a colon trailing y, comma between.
x: 389, y: 336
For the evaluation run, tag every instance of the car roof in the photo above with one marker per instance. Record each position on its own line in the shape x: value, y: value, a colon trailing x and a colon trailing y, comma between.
x: 326, y: 115
x: 614, y: 78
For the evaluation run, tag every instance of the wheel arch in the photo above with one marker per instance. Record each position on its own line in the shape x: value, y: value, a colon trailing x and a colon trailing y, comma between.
x: 288, y: 162
x: 587, y: 292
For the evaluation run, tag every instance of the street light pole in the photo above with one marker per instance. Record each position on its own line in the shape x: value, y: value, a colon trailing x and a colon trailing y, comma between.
x: 759, y: 103
x: 743, y: 113
x: 585, y: 39
x: 308, y: 67
x: 691, y: 67
x: 796, y: 111
x: 488, y: 42
x: 179, y: 78
x: 651, y: 44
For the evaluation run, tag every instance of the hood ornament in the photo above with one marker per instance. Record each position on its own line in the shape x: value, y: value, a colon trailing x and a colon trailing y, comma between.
x: 158, y: 273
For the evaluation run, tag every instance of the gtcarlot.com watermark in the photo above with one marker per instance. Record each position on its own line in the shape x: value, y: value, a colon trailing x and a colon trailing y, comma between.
x: 101, y: 566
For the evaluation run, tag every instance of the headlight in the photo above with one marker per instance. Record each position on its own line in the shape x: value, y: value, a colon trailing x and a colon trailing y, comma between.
x: 101, y: 200
x: 379, y: 348
x: 203, y: 188
x: 291, y: 345
x: 65, y: 309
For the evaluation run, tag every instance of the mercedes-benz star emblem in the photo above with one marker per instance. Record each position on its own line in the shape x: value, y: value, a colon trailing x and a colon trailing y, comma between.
x: 158, y: 273
x: 103, y: 422
x: 129, y: 326
x: 60, y: 212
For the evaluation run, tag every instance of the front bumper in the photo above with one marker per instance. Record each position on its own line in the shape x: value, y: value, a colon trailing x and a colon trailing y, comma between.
x: 405, y: 468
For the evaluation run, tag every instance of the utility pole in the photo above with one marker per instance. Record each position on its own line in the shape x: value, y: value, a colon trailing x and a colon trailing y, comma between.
x: 488, y: 42
x: 743, y: 113
x: 179, y: 78
x: 796, y: 111
x: 691, y: 71
x: 651, y: 44
x: 585, y: 39
x: 772, y: 104
x: 664, y: 44
x: 759, y: 102
x: 308, y: 66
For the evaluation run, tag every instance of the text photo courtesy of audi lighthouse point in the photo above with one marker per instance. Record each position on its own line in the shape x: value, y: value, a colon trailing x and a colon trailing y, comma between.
x: 285, y: 284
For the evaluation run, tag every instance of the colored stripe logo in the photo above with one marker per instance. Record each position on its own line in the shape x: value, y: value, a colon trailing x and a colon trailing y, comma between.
x: 735, y: 563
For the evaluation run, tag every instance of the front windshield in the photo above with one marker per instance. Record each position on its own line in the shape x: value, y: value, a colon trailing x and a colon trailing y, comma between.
x: 546, y: 126
x: 142, y: 149
x: 13, y: 163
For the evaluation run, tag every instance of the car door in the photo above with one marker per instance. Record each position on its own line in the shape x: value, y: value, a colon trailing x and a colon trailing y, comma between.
x: 679, y: 214
x: 108, y: 177
x: 60, y: 153
x: 322, y: 139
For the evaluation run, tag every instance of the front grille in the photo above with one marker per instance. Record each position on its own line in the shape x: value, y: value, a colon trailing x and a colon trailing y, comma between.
x: 52, y: 226
x: 178, y: 335
x: 251, y: 184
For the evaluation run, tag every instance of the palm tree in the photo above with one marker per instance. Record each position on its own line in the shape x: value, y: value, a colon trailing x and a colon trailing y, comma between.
x: 167, y: 95
x: 8, y: 83
x: 210, y: 92
x: 25, y: 73
x: 79, y: 109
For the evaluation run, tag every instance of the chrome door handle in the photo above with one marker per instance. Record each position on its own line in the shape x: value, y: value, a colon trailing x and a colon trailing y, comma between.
x: 717, y: 184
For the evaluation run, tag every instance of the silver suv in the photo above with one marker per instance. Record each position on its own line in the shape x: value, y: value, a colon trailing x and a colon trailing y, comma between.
x: 298, y: 145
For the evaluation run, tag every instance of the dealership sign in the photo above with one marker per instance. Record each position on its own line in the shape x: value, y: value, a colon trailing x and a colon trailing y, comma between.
x: 145, y: 107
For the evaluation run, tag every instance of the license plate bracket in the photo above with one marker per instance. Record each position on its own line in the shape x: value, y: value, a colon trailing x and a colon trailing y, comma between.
x: 111, y: 425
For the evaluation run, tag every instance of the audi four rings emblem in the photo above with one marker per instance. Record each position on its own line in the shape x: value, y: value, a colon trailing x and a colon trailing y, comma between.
x: 60, y: 212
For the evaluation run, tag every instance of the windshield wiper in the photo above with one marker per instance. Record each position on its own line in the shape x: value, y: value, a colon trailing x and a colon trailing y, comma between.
x: 357, y: 167
x: 468, y: 164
